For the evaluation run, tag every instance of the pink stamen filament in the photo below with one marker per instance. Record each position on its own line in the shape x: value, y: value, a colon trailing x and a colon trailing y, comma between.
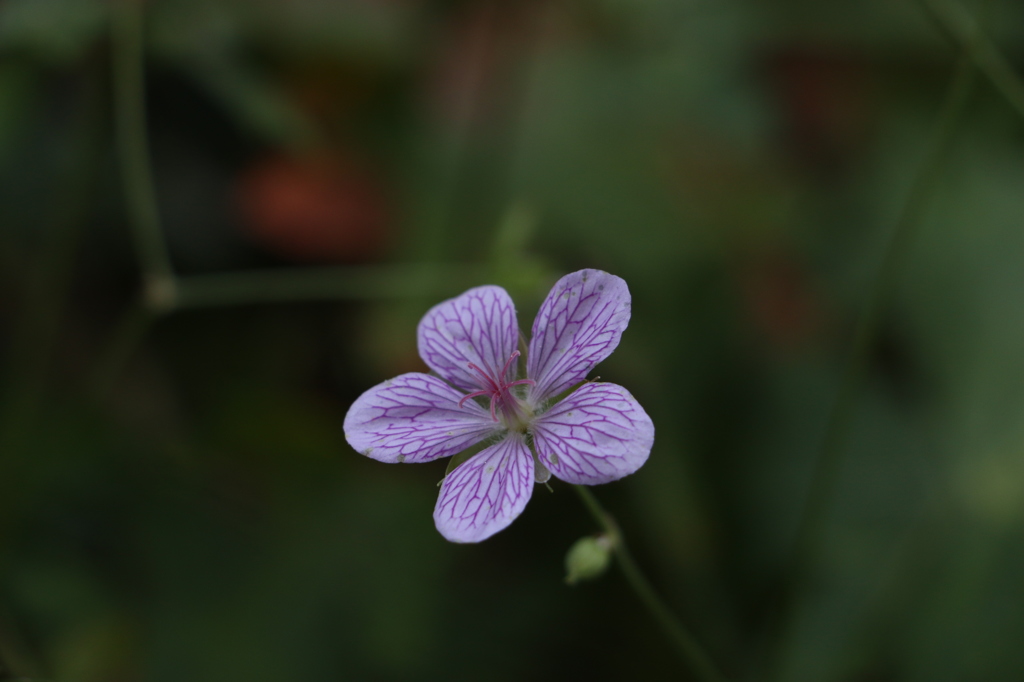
x: 497, y: 388
x: 511, y: 359
x: 485, y: 375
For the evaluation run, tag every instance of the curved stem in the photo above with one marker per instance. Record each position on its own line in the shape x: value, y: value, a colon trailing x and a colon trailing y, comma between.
x: 133, y: 144
x: 811, y: 531
x: 686, y: 646
x: 963, y: 28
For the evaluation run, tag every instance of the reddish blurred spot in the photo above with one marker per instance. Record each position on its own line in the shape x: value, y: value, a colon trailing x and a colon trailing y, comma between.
x: 827, y: 101
x: 781, y: 301
x: 320, y: 209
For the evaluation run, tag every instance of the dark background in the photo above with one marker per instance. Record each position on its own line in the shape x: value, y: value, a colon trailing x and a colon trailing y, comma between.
x: 177, y: 500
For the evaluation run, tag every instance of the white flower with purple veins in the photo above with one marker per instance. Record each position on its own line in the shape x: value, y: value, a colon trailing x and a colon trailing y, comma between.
x: 596, y: 434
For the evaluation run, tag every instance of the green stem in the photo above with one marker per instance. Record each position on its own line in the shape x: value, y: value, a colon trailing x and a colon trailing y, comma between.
x: 163, y: 292
x: 133, y: 146
x: 685, y: 644
x: 811, y: 531
x: 328, y: 283
x: 964, y: 29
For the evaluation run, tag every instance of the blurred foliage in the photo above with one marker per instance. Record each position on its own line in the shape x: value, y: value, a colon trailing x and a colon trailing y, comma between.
x: 741, y: 164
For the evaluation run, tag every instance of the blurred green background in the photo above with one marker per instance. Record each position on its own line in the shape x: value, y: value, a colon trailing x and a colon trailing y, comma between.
x: 177, y: 500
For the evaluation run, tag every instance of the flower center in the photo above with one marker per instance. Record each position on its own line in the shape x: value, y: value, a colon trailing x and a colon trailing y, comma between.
x: 514, y: 413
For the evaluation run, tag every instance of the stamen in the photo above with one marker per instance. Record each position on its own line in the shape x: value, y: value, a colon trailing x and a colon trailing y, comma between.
x: 498, y: 389
x: 504, y: 370
x: 487, y: 377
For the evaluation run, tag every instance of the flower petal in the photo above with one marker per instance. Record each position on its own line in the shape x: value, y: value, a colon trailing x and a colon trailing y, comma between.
x: 415, y: 418
x: 578, y: 326
x: 597, y: 434
x: 477, y: 327
x: 487, y: 492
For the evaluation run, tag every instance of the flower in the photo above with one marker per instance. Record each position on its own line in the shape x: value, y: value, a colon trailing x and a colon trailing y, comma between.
x: 596, y: 434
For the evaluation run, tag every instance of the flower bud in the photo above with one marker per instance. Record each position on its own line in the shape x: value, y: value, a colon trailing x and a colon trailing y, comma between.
x: 588, y: 558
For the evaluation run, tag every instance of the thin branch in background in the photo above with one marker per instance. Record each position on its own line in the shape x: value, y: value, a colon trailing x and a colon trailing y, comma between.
x: 158, y: 280
x: 965, y: 30
x: 133, y: 150
x: 329, y: 283
x: 824, y: 482
x: 163, y: 291
x: 692, y: 654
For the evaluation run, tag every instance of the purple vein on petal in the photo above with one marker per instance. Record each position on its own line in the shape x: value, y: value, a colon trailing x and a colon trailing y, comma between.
x: 487, y: 492
x: 479, y: 327
x: 597, y: 434
x: 414, y: 418
x: 578, y: 325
